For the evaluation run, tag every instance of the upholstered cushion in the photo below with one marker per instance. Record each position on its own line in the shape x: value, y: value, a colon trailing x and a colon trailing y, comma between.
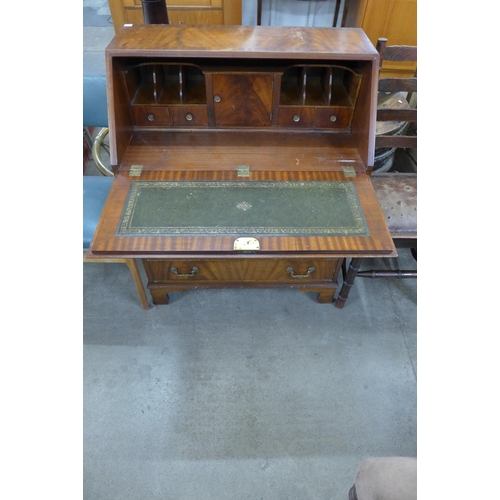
x: 397, y: 194
x: 387, y: 478
x: 95, y: 192
x: 95, y: 103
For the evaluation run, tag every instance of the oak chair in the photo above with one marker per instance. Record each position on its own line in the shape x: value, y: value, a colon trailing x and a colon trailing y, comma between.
x: 396, y: 191
x: 96, y: 187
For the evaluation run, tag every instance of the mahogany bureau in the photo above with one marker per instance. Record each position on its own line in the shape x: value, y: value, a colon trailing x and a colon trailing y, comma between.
x: 242, y: 156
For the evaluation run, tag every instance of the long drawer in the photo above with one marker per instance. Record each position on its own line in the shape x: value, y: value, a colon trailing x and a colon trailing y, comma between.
x: 299, y: 271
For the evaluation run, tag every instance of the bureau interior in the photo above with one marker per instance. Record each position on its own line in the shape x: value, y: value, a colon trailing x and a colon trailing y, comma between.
x: 170, y: 83
x: 300, y: 99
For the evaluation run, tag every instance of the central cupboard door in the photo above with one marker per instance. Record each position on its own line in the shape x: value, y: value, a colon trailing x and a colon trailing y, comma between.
x: 242, y: 99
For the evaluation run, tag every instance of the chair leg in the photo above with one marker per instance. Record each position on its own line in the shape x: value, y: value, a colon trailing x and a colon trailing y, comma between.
x: 139, y: 285
x: 348, y: 282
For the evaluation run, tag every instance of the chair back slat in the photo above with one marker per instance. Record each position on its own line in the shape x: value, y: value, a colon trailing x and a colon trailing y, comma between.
x: 396, y: 141
x: 395, y: 106
x: 397, y: 85
x: 400, y: 53
x: 399, y: 115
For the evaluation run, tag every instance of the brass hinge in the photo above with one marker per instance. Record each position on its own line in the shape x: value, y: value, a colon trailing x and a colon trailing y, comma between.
x: 135, y: 170
x: 349, y: 171
x: 243, y: 170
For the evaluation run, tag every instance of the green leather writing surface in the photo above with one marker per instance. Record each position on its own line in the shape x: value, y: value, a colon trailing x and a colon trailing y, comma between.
x: 242, y: 208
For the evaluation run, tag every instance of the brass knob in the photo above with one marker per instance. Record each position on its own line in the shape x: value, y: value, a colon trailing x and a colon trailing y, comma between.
x: 217, y: 98
x: 333, y: 118
x: 151, y: 117
x: 296, y: 118
x: 189, y: 117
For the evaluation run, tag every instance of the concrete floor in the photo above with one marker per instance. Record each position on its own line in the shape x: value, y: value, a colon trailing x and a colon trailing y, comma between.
x: 242, y: 394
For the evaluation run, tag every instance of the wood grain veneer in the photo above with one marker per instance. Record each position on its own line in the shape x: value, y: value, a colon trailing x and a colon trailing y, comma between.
x: 199, y: 103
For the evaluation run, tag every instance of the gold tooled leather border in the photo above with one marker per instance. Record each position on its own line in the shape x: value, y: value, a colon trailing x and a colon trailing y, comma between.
x: 126, y: 228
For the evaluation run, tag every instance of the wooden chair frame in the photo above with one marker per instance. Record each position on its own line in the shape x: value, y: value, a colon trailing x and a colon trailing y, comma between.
x: 392, y: 187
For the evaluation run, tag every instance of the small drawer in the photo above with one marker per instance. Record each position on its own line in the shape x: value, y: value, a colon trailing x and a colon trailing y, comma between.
x: 189, y: 116
x: 152, y: 116
x: 333, y: 118
x: 295, y: 116
x: 300, y: 271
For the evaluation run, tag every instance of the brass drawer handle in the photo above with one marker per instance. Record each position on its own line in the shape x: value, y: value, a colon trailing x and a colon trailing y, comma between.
x: 192, y: 273
x: 309, y: 272
x: 217, y: 98
x: 296, y: 118
x: 189, y: 117
x: 151, y: 117
x: 333, y: 118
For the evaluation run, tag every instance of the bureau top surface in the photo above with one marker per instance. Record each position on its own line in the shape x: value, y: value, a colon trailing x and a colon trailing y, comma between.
x: 242, y: 41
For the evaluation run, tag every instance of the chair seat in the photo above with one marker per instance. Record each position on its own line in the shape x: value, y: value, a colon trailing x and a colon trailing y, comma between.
x: 397, y: 194
x: 95, y: 192
x: 387, y: 478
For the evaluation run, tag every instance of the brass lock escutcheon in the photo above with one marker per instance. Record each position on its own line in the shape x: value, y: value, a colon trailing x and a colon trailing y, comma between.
x: 246, y: 244
x: 217, y: 98
x: 309, y: 272
x: 194, y: 270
